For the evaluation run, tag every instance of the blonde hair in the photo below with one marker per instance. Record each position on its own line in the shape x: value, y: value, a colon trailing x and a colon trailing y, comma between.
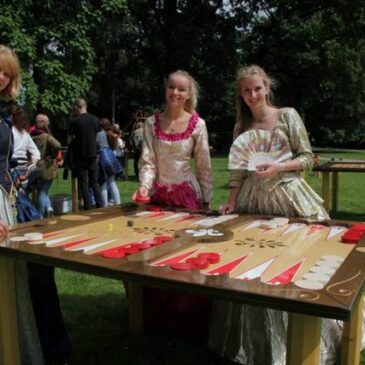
x: 9, y: 63
x: 243, y: 112
x: 191, y: 104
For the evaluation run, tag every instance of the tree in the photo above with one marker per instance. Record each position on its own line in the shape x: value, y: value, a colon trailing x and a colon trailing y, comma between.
x: 315, y: 52
x: 52, y: 39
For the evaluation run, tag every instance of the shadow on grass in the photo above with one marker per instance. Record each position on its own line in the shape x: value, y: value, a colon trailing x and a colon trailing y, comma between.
x: 348, y: 216
x: 98, y: 329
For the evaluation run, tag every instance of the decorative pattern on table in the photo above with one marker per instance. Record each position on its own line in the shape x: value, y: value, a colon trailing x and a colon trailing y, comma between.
x: 307, y: 255
x: 116, y: 237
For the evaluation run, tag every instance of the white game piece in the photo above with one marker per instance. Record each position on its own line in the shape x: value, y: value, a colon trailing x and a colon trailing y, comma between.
x: 322, y: 270
x: 317, y: 277
x: 34, y: 236
x: 333, y: 258
x: 308, y: 284
x: 18, y: 239
x: 331, y: 264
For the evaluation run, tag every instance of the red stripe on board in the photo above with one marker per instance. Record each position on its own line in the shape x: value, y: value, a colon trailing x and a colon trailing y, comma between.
x: 74, y: 243
x: 228, y: 267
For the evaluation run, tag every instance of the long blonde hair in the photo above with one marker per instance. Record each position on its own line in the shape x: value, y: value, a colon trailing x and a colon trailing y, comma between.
x: 9, y: 63
x: 243, y: 112
x: 191, y: 104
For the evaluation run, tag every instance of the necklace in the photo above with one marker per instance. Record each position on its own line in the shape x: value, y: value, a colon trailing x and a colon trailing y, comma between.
x: 174, y: 125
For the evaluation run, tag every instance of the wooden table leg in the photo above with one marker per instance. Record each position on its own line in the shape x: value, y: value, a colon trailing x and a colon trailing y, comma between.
x: 326, y: 189
x: 126, y: 155
x: 303, y: 342
x: 351, y: 336
x: 135, y: 299
x: 9, y: 339
x: 75, y: 195
x: 334, y: 191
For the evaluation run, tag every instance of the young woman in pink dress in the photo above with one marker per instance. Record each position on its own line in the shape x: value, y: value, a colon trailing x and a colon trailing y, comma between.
x: 171, y: 139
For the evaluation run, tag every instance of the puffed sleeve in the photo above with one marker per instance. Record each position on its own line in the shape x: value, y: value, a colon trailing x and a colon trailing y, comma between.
x: 203, y: 164
x: 298, y: 137
x: 147, y: 161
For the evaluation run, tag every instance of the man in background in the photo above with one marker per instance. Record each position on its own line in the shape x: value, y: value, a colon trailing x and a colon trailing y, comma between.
x: 83, y: 129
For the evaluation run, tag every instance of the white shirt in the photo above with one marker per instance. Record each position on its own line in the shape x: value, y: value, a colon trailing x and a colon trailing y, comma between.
x: 23, y: 143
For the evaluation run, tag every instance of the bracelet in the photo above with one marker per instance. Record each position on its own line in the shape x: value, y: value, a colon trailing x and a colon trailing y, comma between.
x: 281, y: 166
x: 145, y: 186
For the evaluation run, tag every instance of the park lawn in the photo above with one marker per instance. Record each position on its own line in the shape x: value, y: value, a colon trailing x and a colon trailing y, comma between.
x: 95, y: 309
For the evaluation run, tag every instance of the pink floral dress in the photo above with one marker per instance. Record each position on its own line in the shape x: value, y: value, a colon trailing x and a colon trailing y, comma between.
x: 165, y: 164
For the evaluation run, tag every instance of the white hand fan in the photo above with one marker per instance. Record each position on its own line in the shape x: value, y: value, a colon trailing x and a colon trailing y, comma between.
x: 256, y: 147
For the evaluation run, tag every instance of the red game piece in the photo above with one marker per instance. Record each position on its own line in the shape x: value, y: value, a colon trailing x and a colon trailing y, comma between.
x: 184, y: 266
x: 143, y: 245
x: 158, y: 240
x: 142, y: 199
x: 212, y: 257
x: 360, y: 227
x: 351, y: 236
x: 153, y: 208
x: 198, y: 262
x: 113, y: 253
x: 130, y: 250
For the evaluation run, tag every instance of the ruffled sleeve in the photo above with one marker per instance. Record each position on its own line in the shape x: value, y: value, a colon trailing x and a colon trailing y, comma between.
x: 203, y: 162
x: 298, y: 137
x: 147, y: 161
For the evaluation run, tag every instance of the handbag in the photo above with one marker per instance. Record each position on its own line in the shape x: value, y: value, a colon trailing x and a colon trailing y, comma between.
x: 109, y: 162
x: 26, y: 211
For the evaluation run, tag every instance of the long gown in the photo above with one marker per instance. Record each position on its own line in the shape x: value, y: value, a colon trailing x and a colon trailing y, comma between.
x: 253, y: 335
x: 164, y: 168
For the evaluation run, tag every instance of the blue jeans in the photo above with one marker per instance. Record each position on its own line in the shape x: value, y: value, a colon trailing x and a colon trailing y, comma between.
x: 115, y: 195
x: 43, y: 198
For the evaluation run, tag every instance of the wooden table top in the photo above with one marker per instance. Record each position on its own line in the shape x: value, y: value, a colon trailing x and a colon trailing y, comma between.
x: 341, y: 166
x: 298, y: 267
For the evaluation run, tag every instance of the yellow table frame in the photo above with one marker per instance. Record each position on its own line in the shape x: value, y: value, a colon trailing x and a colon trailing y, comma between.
x: 303, y: 343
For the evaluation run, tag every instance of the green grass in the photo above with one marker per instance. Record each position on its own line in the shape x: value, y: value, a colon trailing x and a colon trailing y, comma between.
x: 95, y: 309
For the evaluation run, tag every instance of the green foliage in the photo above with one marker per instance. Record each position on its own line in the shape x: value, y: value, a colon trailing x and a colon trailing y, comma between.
x: 118, y: 54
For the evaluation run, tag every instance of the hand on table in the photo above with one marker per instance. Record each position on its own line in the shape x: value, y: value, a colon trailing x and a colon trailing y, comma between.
x: 226, y: 208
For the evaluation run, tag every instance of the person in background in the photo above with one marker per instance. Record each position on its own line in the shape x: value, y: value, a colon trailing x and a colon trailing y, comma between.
x: 135, y: 144
x: 30, y: 348
x: 247, y: 334
x: 25, y: 152
x: 49, y: 149
x: 106, y: 141
x: 119, y: 150
x: 82, y: 136
x: 170, y: 140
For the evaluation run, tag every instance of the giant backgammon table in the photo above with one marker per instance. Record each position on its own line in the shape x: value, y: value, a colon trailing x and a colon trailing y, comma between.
x: 334, y: 168
x: 294, y: 266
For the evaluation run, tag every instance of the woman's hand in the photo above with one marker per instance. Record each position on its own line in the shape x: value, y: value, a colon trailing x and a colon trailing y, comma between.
x: 226, y: 208
x: 141, y: 192
x: 268, y: 170
x: 3, y: 230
